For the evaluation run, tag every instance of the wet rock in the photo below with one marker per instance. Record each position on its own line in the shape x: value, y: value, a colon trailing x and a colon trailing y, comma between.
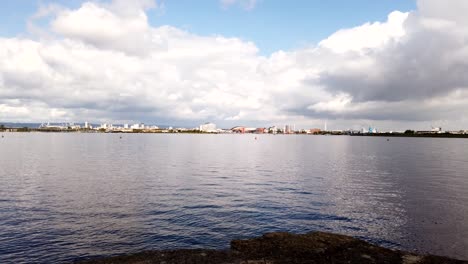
x: 282, y: 248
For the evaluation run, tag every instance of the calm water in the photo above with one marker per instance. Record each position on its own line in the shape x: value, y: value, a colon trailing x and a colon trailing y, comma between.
x: 67, y: 197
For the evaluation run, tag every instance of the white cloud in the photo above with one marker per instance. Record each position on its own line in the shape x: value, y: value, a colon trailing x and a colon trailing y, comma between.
x: 367, y: 36
x: 105, y: 62
x: 119, y: 26
x: 103, y: 70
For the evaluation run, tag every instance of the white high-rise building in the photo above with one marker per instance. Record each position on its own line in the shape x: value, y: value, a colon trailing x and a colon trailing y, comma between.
x: 208, y: 127
x: 273, y: 130
x: 105, y: 126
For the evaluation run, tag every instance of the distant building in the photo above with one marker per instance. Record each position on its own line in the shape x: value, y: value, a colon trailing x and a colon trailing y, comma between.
x: 208, y: 127
x: 241, y: 129
x: 138, y: 126
x: 315, y: 131
x: 73, y: 126
x: 273, y: 130
x: 260, y: 130
x: 238, y: 129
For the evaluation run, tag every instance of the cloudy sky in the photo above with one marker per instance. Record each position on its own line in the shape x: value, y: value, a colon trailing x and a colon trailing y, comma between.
x: 393, y: 64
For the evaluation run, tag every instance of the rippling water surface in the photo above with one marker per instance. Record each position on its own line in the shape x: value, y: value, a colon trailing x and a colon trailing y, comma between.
x: 68, y: 197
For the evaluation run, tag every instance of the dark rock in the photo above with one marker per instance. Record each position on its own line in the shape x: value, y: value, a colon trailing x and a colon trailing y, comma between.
x: 279, y: 248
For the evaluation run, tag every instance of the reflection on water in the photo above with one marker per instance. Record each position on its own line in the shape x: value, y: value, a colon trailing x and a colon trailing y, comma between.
x: 67, y: 197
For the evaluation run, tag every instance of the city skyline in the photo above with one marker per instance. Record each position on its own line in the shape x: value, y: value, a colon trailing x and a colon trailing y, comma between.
x: 395, y: 65
x: 210, y: 127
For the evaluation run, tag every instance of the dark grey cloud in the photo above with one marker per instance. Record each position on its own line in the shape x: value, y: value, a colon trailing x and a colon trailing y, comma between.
x: 414, y: 111
x: 426, y: 63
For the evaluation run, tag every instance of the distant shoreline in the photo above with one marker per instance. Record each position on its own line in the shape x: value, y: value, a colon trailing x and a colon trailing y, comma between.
x: 164, y: 131
x: 442, y: 135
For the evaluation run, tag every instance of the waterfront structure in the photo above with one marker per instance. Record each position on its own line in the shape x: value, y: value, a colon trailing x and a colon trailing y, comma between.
x: 48, y: 126
x: 73, y: 126
x: 315, y: 131
x: 208, y: 127
x: 105, y: 126
x: 436, y: 130
x: 138, y: 126
x: 273, y: 130
x: 69, y: 126
x: 242, y: 130
x: 238, y: 129
x: 288, y: 129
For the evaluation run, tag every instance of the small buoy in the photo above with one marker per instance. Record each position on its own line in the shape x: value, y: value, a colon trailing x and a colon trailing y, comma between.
x: 120, y: 137
x: 255, y: 138
x: 388, y: 139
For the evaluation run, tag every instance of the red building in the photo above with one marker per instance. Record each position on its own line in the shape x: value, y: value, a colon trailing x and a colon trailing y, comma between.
x: 238, y: 130
x: 315, y: 131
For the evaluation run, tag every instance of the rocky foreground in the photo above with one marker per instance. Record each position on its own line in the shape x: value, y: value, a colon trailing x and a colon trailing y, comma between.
x: 276, y: 248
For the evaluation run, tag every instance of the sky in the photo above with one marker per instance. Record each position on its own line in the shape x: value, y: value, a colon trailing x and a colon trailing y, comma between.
x: 304, y: 23
x: 390, y: 64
